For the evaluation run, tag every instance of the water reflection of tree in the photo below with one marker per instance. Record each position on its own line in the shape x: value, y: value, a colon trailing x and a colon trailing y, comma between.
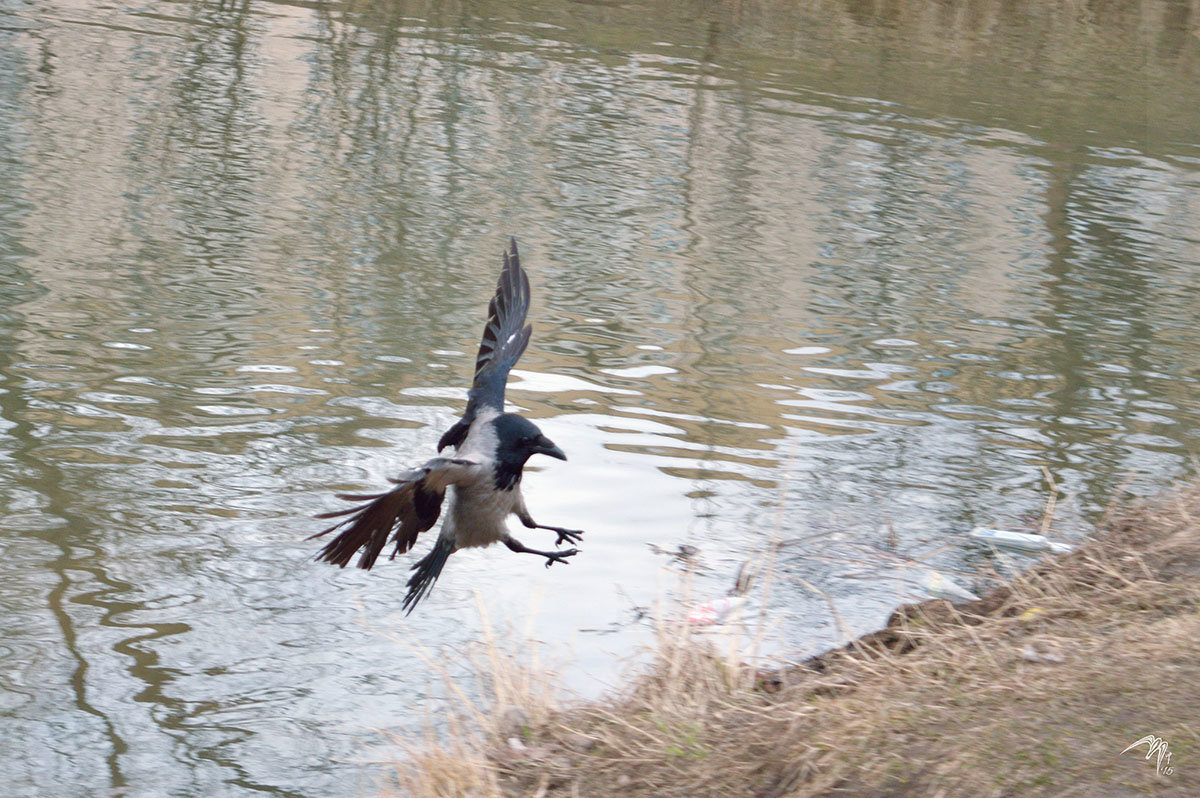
x: 65, y: 538
x: 1103, y: 309
x: 724, y: 143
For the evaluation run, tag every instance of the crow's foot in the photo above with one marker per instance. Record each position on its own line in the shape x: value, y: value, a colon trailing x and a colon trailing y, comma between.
x: 560, y: 556
x: 568, y: 535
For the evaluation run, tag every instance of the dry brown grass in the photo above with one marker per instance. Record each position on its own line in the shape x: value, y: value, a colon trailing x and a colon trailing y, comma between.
x: 945, y: 701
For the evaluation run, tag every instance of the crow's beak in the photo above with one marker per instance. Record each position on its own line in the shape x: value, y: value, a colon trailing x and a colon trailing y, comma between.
x: 546, y: 446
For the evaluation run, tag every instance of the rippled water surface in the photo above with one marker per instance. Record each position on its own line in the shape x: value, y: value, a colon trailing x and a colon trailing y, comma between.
x: 798, y: 275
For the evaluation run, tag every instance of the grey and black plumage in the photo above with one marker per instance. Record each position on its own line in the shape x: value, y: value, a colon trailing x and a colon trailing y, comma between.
x: 483, y: 478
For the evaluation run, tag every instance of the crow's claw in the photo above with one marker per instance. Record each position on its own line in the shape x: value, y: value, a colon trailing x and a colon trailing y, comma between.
x: 560, y: 556
x: 568, y: 535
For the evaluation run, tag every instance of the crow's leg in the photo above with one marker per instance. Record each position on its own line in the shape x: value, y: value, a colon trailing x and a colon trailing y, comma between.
x: 551, y: 556
x: 569, y: 535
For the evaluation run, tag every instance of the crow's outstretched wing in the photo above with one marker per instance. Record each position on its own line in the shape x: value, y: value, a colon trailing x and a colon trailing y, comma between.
x: 505, y: 337
x: 410, y: 508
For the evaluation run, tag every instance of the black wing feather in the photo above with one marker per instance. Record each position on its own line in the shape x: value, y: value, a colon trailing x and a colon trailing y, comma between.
x: 505, y: 337
x: 410, y: 508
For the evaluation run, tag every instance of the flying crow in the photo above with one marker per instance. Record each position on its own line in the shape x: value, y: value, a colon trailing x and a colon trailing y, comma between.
x: 483, y: 477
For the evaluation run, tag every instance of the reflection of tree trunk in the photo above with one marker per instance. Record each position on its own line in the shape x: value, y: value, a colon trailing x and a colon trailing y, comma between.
x: 77, y: 551
x: 1176, y: 28
x: 448, y: 78
x: 703, y: 488
x: 1084, y: 294
x: 1066, y: 349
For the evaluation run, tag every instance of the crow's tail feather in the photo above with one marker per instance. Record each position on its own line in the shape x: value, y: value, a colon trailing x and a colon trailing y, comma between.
x: 427, y: 570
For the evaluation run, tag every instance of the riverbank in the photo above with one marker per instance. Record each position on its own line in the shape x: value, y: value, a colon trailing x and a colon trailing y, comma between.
x: 1035, y: 689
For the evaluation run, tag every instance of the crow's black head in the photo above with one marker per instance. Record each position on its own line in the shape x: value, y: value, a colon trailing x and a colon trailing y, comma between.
x: 518, y: 439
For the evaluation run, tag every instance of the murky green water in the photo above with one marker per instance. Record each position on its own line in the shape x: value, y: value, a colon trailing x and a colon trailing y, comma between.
x: 885, y: 262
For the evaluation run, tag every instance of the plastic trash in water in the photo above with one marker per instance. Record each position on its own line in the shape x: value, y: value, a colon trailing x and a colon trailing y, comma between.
x: 926, y: 580
x: 941, y: 586
x: 715, y: 612
x: 1018, y: 541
